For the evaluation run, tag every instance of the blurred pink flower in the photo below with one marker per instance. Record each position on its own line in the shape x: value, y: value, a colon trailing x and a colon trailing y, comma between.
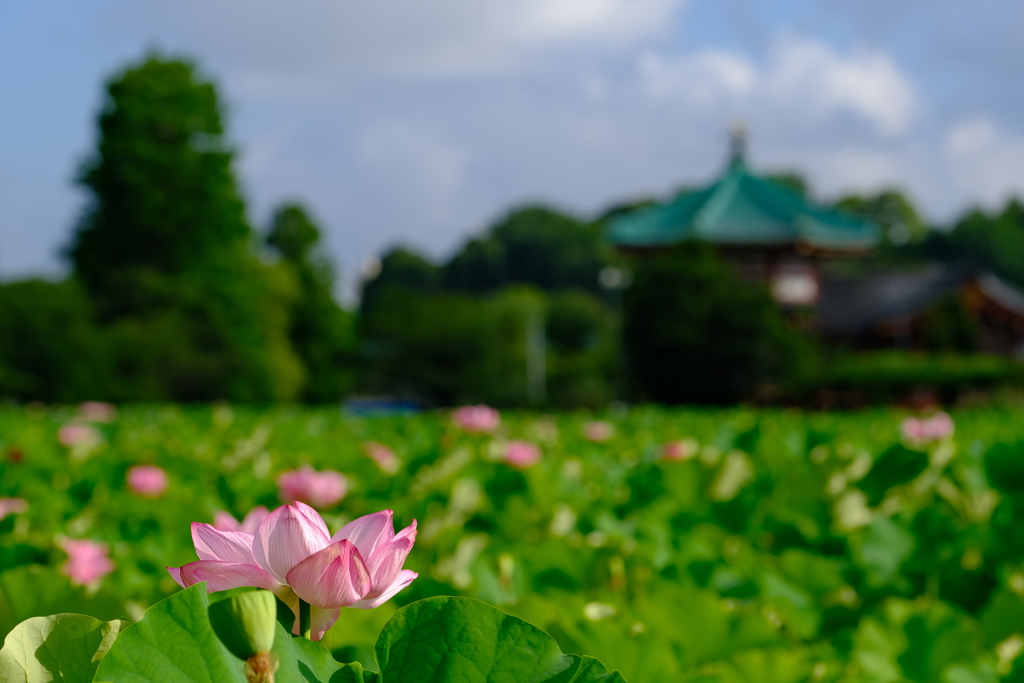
x: 926, y: 430
x: 293, y: 554
x: 319, y: 489
x: 147, y: 480
x: 87, y: 561
x: 598, y: 431
x: 224, y: 521
x: 521, y: 454
x: 96, y: 411
x: 75, y: 434
x: 12, y: 506
x: 385, y: 458
x: 677, y: 450
x: 479, y: 418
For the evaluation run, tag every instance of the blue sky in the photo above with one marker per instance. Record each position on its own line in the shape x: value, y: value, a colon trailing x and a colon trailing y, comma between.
x: 421, y: 121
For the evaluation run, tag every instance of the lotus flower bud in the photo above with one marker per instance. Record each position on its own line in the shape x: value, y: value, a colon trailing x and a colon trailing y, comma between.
x: 246, y: 623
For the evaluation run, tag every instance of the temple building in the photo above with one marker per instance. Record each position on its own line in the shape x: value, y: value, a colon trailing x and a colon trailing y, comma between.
x: 819, y: 264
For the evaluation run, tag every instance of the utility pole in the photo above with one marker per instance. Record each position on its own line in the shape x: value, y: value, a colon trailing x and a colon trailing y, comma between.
x: 614, y: 281
x: 536, y: 361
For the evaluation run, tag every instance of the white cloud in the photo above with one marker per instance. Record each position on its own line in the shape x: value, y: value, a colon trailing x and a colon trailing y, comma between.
x: 866, y: 82
x: 802, y: 76
x: 985, y: 161
x: 703, y: 78
x: 271, y: 39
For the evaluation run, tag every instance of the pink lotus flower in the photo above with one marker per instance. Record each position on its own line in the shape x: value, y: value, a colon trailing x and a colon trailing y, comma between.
x: 598, y: 431
x: 293, y: 555
x: 223, y: 521
x: 521, y: 454
x: 926, y: 430
x: 12, y: 506
x: 677, y: 450
x: 95, y: 411
x: 75, y: 435
x: 385, y: 458
x: 319, y: 489
x: 87, y: 561
x: 147, y: 480
x: 479, y: 418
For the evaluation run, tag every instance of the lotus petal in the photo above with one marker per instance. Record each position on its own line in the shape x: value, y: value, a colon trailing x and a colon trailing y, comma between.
x: 404, y: 578
x: 386, y: 563
x: 222, y: 546
x: 334, y: 577
x: 175, y: 573
x: 288, y: 536
x: 320, y: 621
x: 220, y: 576
x: 368, y: 532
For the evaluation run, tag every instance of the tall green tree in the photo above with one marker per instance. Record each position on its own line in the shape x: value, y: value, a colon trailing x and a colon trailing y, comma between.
x: 165, y: 251
x: 321, y: 332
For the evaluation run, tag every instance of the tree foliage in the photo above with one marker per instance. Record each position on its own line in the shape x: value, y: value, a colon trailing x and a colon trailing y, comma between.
x: 401, y: 268
x: 693, y: 334
x: 50, y: 344
x: 163, y: 197
x: 993, y: 240
x: 533, y: 245
x: 459, y: 331
x: 320, y: 330
x: 164, y: 249
x: 892, y: 210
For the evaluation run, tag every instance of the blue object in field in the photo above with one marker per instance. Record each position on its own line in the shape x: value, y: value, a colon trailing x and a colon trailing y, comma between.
x: 380, y: 405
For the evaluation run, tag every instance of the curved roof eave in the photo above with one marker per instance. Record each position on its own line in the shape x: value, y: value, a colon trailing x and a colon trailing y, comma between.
x: 741, y: 208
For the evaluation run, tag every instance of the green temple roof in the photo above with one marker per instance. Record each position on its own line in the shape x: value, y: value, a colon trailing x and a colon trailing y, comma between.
x: 744, y: 210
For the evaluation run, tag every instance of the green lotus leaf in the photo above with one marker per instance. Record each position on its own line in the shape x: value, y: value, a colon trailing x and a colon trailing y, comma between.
x: 62, y: 647
x: 444, y: 639
x: 175, y: 643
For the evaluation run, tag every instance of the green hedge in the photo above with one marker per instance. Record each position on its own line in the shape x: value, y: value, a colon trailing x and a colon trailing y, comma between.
x: 890, y: 375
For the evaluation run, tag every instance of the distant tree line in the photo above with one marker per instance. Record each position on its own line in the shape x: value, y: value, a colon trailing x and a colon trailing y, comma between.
x: 175, y: 296
x: 461, y: 330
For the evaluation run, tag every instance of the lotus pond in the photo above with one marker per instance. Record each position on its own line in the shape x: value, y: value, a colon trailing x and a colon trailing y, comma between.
x: 674, y: 545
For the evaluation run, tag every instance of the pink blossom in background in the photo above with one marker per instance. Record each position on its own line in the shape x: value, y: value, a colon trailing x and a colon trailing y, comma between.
x: 479, y: 418
x: 147, y: 480
x: 319, y: 489
x: 293, y: 554
x: 224, y: 521
x: 913, y: 429
x: 385, y: 458
x: 677, y: 450
x: 75, y: 434
x: 521, y: 454
x: 926, y: 430
x: 12, y: 506
x: 87, y: 561
x: 96, y: 411
x: 598, y: 431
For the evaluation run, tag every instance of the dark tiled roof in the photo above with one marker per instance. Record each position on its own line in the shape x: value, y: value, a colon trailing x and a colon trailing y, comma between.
x: 1003, y: 293
x: 851, y: 304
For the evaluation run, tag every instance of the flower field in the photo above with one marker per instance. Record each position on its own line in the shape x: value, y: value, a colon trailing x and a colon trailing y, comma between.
x: 674, y: 545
